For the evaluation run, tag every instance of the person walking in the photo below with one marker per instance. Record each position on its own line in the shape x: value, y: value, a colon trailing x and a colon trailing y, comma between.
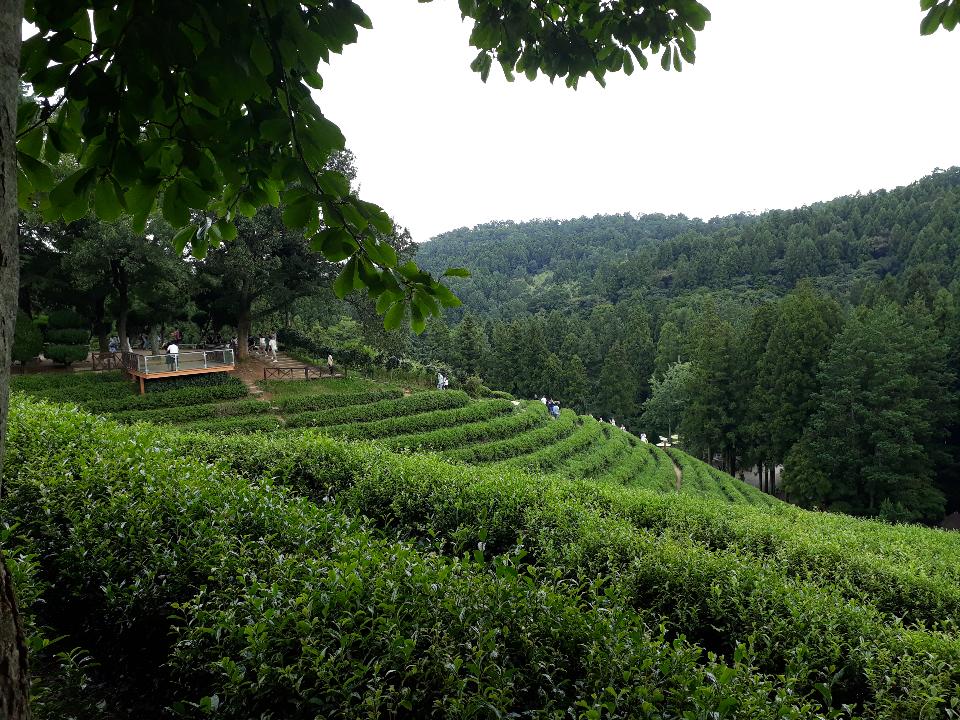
x: 263, y: 344
x: 273, y: 347
x: 330, y: 364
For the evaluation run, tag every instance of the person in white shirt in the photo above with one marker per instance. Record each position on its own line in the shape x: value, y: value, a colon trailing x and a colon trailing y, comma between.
x: 273, y: 347
x: 173, y: 350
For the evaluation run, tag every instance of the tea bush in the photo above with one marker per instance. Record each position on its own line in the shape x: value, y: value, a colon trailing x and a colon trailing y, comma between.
x: 471, y: 433
x: 206, y: 593
x: 521, y: 444
x: 187, y: 413
x: 803, y: 616
x: 550, y: 456
x: 301, y: 403
x: 399, y: 407
x: 476, y: 412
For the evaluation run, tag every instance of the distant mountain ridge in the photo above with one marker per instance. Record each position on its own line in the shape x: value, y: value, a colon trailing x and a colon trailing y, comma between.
x: 909, y: 233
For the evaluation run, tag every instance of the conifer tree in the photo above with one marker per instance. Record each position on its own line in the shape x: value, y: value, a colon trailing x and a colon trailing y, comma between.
x: 709, y: 421
x: 787, y: 374
x: 573, y: 381
x: 879, y: 419
x: 618, y: 385
x: 669, y: 347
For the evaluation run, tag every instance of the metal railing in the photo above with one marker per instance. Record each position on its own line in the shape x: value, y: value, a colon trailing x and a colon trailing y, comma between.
x: 198, y: 360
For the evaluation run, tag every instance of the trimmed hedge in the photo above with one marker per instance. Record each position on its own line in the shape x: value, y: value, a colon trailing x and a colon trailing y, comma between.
x: 230, y: 425
x: 600, y: 457
x: 206, y: 593
x: 521, y: 444
x: 301, y: 403
x: 471, y: 433
x: 187, y: 413
x: 170, y: 398
x: 804, y: 619
x: 484, y: 410
x: 410, y: 405
x: 550, y: 456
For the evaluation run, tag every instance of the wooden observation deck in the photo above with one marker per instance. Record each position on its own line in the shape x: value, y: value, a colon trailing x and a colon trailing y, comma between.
x: 191, y: 362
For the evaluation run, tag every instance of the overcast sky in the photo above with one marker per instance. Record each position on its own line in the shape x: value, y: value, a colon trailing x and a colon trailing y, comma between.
x: 789, y: 103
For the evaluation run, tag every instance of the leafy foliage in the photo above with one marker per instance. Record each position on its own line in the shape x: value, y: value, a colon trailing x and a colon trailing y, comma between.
x: 27, y: 339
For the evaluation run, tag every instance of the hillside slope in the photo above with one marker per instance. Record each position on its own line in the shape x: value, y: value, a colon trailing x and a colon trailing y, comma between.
x: 220, y: 585
x: 498, y: 432
x: 909, y: 233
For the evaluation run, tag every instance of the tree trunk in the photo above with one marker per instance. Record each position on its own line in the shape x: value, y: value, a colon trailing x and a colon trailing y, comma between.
x: 122, y: 284
x: 14, y: 685
x: 243, y: 330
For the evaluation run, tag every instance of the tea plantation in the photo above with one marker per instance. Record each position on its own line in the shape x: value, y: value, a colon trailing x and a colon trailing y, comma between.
x: 344, y: 548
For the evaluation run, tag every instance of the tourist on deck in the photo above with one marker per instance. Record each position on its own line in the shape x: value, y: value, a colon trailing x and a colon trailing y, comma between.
x: 173, y: 350
x: 330, y: 364
x: 273, y: 347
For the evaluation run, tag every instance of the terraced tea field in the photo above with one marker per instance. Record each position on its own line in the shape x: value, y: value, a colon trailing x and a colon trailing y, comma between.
x: 497, y: 432
x: 456, y: 557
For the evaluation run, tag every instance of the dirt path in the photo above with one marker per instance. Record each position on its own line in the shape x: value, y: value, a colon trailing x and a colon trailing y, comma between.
x: 678, y: 472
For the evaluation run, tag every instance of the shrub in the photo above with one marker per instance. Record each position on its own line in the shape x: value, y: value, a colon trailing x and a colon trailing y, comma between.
x: 395, y: 408
x: 449, y: 418
x: 501, y: 395
x: 230, y: 390
x: 176, y: 383
x: 720, y: 574
x: 66, y: 354
x: 474, y: 387
x: 67, y: 337
x: 187, y: 413
x: 467, y: 434
x: 217, y: 593
x: 520, y: 444
x: 301, y: 403
x: 230, y: 425
x: 27, y: 339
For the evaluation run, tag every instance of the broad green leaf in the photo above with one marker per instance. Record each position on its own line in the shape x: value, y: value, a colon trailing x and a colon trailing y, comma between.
x: 260, y: 54
x: 445, y: 296
x: 183, y: 236
x: 106, y: 202
x: 175, y: 210
x: 380, y: 252
x: 394, y: 316
x: 346, y: 279
x: 40, y: 175
x: 227, y: 230
x: 299, y: 213
x: 456, y: 272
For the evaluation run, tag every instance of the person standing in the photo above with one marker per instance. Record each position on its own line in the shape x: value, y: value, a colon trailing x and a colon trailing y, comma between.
x: 330, y: 364
x: 273, y: 347
x: 263, y: 344
x: 173, y: 350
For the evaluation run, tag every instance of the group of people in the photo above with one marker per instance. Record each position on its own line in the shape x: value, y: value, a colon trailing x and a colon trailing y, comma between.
x: 442, y: 381
x: 265, y: 345
x: 553, y: 407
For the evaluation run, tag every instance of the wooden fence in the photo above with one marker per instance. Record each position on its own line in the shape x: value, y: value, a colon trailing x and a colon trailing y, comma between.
x: 290, y: 371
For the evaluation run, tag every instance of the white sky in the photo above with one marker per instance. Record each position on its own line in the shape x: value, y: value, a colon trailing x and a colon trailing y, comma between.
x: 789, y: 103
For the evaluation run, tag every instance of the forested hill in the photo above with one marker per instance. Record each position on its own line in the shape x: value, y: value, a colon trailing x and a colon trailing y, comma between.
x: 911, y: 234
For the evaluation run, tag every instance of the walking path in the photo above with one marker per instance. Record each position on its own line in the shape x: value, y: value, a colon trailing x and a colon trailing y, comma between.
x: 678, y: 472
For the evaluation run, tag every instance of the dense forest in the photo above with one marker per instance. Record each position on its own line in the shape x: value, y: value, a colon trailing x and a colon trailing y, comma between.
x: 825, y: 339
